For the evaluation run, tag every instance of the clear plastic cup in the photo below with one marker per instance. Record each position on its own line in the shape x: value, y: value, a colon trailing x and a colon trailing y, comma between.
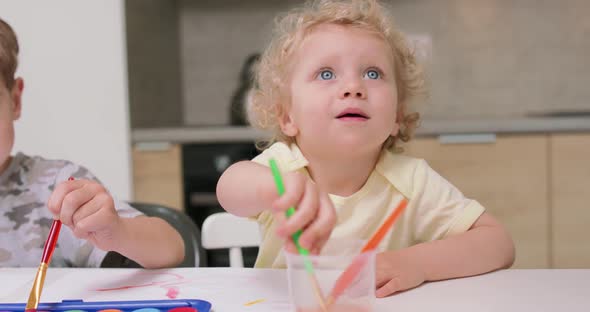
x: 328, y: 266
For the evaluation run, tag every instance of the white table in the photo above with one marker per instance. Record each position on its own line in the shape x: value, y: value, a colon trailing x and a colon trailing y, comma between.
x: 231, y: 289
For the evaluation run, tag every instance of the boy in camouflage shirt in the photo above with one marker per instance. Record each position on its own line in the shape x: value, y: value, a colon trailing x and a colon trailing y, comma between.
x: 34, y: 191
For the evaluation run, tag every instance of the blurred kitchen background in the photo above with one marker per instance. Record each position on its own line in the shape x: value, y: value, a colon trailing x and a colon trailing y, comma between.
x: 507, y: 120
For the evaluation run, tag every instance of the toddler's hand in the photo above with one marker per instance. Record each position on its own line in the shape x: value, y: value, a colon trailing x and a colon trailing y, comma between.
x: 314, y: 213
x: 396, y: 271
x: 88, y: 209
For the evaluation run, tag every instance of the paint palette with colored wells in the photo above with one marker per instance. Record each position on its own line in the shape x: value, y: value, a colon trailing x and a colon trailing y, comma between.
x: 177, y: 305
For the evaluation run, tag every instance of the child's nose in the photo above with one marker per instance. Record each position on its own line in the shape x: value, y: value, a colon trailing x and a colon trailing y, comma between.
x: 358, y: 94
x: 353, y: 90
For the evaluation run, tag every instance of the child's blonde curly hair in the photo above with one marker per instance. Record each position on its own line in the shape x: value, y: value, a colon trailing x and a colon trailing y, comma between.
x: 8, y: 54
x: 271, y: 96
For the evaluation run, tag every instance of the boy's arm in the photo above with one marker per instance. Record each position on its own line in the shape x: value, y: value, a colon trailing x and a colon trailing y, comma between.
x: 88, y: 209
x: 485, y: 247
x: 149, y: 241
x: 246, y: 188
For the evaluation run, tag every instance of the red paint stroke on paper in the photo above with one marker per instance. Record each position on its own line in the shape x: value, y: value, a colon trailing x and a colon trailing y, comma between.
x: 177, y: 279
x: 127, y: 287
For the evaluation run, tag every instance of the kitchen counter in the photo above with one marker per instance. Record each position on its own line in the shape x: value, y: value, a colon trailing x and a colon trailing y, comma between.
x: 213, y: 134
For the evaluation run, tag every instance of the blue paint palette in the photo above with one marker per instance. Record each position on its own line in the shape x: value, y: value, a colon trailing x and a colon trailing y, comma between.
x: 176, y: 305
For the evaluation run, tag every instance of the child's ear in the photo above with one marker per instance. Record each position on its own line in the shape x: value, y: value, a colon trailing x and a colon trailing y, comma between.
x: 288, y: 126
x: 16, y: 97
x: 399, y: 118
x: 395, y: 129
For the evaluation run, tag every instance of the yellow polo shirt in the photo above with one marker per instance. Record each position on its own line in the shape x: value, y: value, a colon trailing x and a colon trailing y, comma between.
x: 435, y: 210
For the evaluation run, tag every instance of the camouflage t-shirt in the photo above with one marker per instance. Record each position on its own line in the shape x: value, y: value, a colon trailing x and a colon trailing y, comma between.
x: 25, y: 187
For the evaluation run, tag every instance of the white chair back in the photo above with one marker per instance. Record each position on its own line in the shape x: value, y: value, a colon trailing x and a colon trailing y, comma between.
x: 224, y: 230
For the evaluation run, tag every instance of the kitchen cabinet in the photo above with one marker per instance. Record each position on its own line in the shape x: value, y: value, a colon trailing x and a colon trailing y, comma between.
x: 157, y: 174
x: 509, y: 176
x: 570, y: 200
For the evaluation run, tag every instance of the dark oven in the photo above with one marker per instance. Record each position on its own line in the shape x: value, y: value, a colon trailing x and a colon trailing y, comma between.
x: 203, y: 164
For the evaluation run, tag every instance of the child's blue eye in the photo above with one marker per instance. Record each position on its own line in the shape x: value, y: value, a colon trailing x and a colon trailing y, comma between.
x: 372, y: 74
x: 326, y: 74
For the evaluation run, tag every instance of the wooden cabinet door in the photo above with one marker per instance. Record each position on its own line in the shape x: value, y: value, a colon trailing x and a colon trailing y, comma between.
x: 157, y: 174
x: 570, y: 202
x: 508, y: 176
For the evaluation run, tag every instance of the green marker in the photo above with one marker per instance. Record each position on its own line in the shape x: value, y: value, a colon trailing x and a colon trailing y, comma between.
x: 302, y: 251
x: 281, y: 190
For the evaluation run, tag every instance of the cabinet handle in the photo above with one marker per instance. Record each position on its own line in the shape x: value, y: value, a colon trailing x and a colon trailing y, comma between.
x: 475, y: 138
x: 153, y: 146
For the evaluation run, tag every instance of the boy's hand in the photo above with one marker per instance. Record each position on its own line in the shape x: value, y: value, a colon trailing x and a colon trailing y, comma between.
x: 314, y: 213
x: 88, y: 209
x: 397, y: 271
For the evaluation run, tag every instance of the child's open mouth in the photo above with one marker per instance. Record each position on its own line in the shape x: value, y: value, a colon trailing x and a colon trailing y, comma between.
x: 352, y: 115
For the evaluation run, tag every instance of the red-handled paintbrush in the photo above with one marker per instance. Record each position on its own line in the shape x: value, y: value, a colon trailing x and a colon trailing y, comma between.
x: 50, y: 244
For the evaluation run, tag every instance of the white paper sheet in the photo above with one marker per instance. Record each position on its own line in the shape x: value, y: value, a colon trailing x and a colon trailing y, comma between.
x: 229, y: 290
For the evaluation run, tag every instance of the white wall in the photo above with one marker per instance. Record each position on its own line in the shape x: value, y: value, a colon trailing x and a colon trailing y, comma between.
x: 73, y: 61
